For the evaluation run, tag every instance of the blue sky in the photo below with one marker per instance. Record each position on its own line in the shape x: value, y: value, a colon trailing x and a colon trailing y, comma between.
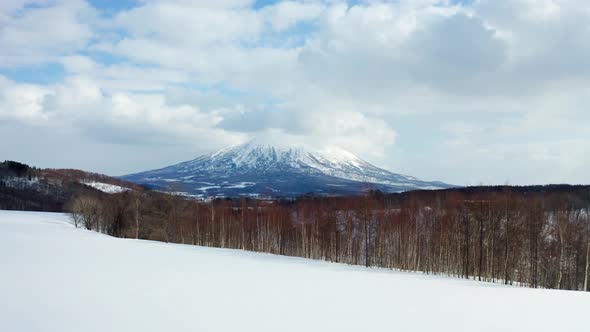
x: 465, y: 92
x: 114, y: 6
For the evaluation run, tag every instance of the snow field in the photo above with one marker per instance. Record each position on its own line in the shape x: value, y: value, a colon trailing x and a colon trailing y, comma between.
x: 54, y: 277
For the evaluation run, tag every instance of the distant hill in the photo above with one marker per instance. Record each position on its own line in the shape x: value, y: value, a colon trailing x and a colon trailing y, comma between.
x: 28, y: 188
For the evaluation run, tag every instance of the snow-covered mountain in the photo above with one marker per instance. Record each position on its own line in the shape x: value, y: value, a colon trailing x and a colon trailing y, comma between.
x: 258, y: 169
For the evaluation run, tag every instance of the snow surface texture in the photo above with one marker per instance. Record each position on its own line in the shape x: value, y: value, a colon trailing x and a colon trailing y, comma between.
x: 58, y: 278
x: 261, y: 169
x: 105, y: 187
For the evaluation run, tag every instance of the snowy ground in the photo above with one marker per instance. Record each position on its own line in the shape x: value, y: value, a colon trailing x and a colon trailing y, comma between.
x: 54, y: 277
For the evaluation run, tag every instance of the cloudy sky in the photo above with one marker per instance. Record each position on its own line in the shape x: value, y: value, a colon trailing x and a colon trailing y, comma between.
x: 467, y: 92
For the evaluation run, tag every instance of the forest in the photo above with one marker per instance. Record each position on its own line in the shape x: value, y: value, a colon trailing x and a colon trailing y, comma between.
x: 536, y: 236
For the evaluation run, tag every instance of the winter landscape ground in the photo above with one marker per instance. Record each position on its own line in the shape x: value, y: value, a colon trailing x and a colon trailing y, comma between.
x: 55, y: 277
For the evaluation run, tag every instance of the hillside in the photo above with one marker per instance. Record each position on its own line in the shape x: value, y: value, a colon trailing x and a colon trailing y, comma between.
x: 58, y: 278
x: 23, y: 187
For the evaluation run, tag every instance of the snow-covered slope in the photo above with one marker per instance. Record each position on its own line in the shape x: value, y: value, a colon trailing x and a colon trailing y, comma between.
x: 105, y: 187
x: 55, y: 277
x: 256, y: 169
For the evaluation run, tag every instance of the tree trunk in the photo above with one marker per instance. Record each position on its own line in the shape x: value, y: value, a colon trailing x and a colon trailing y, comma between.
x: 480, y: 247
x: 367, y: 262
x: 136, y: 218
x: 561, y: 252
x: 587, y: 263
x: 506, y: 247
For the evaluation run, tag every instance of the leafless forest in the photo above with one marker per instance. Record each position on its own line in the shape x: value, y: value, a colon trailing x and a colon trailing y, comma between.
x: 526, y: 236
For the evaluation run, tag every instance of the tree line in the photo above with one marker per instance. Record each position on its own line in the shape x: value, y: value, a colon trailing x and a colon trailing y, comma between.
x: 527, y: 236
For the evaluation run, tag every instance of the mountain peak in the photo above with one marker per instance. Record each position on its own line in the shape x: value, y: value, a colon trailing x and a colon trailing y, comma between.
x: 252, y: 155
x: 254, y: 152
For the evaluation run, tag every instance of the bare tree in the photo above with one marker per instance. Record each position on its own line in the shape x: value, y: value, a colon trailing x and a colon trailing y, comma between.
x: 76, y: 210
x: 86, y: 211
x: 136, y: 198
x: 587, y: 252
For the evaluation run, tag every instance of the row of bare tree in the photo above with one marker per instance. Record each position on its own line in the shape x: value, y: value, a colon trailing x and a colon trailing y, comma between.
x: 534, y: 239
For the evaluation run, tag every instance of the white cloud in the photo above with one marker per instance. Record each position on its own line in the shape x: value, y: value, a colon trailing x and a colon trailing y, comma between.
x: 123, y: 77
x: 189, y: 26
x: 284, y: 15
x: 22, y: 102
x: 40, y: 34
x: 125, y: 117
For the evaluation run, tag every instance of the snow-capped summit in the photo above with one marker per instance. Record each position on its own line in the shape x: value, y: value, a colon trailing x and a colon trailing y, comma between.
x: 261, y: 169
